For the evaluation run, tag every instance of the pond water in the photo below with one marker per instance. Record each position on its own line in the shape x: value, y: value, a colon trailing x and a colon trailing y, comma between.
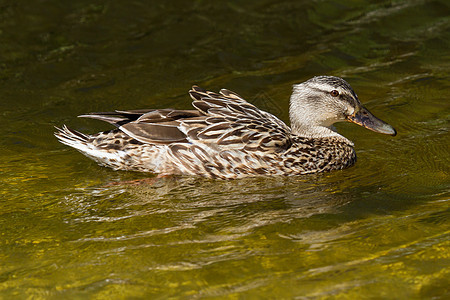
x: 72, y: 229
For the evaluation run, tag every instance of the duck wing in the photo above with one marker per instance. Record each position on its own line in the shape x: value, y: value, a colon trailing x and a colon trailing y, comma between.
x: 148, y: 125
x: 232, y: 122
x: 222, y: 120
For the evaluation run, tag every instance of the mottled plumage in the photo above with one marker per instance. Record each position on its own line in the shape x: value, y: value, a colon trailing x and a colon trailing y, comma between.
x: 227, y: 137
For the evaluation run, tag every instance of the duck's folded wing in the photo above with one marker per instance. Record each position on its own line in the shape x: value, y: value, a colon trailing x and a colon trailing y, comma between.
x: 223, y: 121
x: 121, y: 117
x: 148, y: 125
x: 232, y: 122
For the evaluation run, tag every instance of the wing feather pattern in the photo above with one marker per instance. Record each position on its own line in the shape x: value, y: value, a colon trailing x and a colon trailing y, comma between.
x: 221, y: 119
x: 244, y: 126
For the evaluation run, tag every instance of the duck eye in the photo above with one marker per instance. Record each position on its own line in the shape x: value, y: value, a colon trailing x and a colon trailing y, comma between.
x: 334, y: 93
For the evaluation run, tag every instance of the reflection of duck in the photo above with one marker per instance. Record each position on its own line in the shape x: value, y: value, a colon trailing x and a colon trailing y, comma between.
x: 227, y: 137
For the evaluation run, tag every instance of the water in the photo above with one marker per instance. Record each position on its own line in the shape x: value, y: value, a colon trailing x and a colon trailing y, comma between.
x: 71, y: 229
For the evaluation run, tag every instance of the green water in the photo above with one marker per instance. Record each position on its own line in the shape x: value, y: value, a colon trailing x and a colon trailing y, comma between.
x: 72, y: 230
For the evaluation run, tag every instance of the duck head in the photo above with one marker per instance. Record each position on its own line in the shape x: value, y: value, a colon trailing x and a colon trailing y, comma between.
x: 321, y: 101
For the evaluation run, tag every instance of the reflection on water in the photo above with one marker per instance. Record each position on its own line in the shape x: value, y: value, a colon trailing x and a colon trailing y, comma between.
x: 72, y: 229
x: 315, y: 235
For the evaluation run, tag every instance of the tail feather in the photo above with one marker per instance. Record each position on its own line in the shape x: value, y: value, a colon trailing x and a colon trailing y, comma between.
x: 83, y: 143
x: 71, y: 137
x: 104, y: 154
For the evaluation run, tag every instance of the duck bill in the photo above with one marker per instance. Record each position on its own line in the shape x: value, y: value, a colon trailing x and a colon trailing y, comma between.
x: 367, y: 120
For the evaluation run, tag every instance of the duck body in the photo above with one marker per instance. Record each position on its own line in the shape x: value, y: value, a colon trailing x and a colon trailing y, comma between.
x: 227, y: 137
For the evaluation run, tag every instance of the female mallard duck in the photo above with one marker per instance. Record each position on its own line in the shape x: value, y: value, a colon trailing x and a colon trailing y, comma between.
x: 227, y: 137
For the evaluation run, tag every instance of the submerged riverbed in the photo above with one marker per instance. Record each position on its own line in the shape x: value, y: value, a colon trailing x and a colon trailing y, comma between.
x: 72, y: 229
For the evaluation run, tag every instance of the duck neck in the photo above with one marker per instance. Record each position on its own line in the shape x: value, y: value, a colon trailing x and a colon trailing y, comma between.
x: 312, y: 131
x: 315, y: 131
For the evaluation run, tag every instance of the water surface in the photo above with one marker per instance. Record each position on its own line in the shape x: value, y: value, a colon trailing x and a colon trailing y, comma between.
x: 72, y: 229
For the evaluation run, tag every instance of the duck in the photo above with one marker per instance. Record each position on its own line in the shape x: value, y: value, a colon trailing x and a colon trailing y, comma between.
x: 226, y: 137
